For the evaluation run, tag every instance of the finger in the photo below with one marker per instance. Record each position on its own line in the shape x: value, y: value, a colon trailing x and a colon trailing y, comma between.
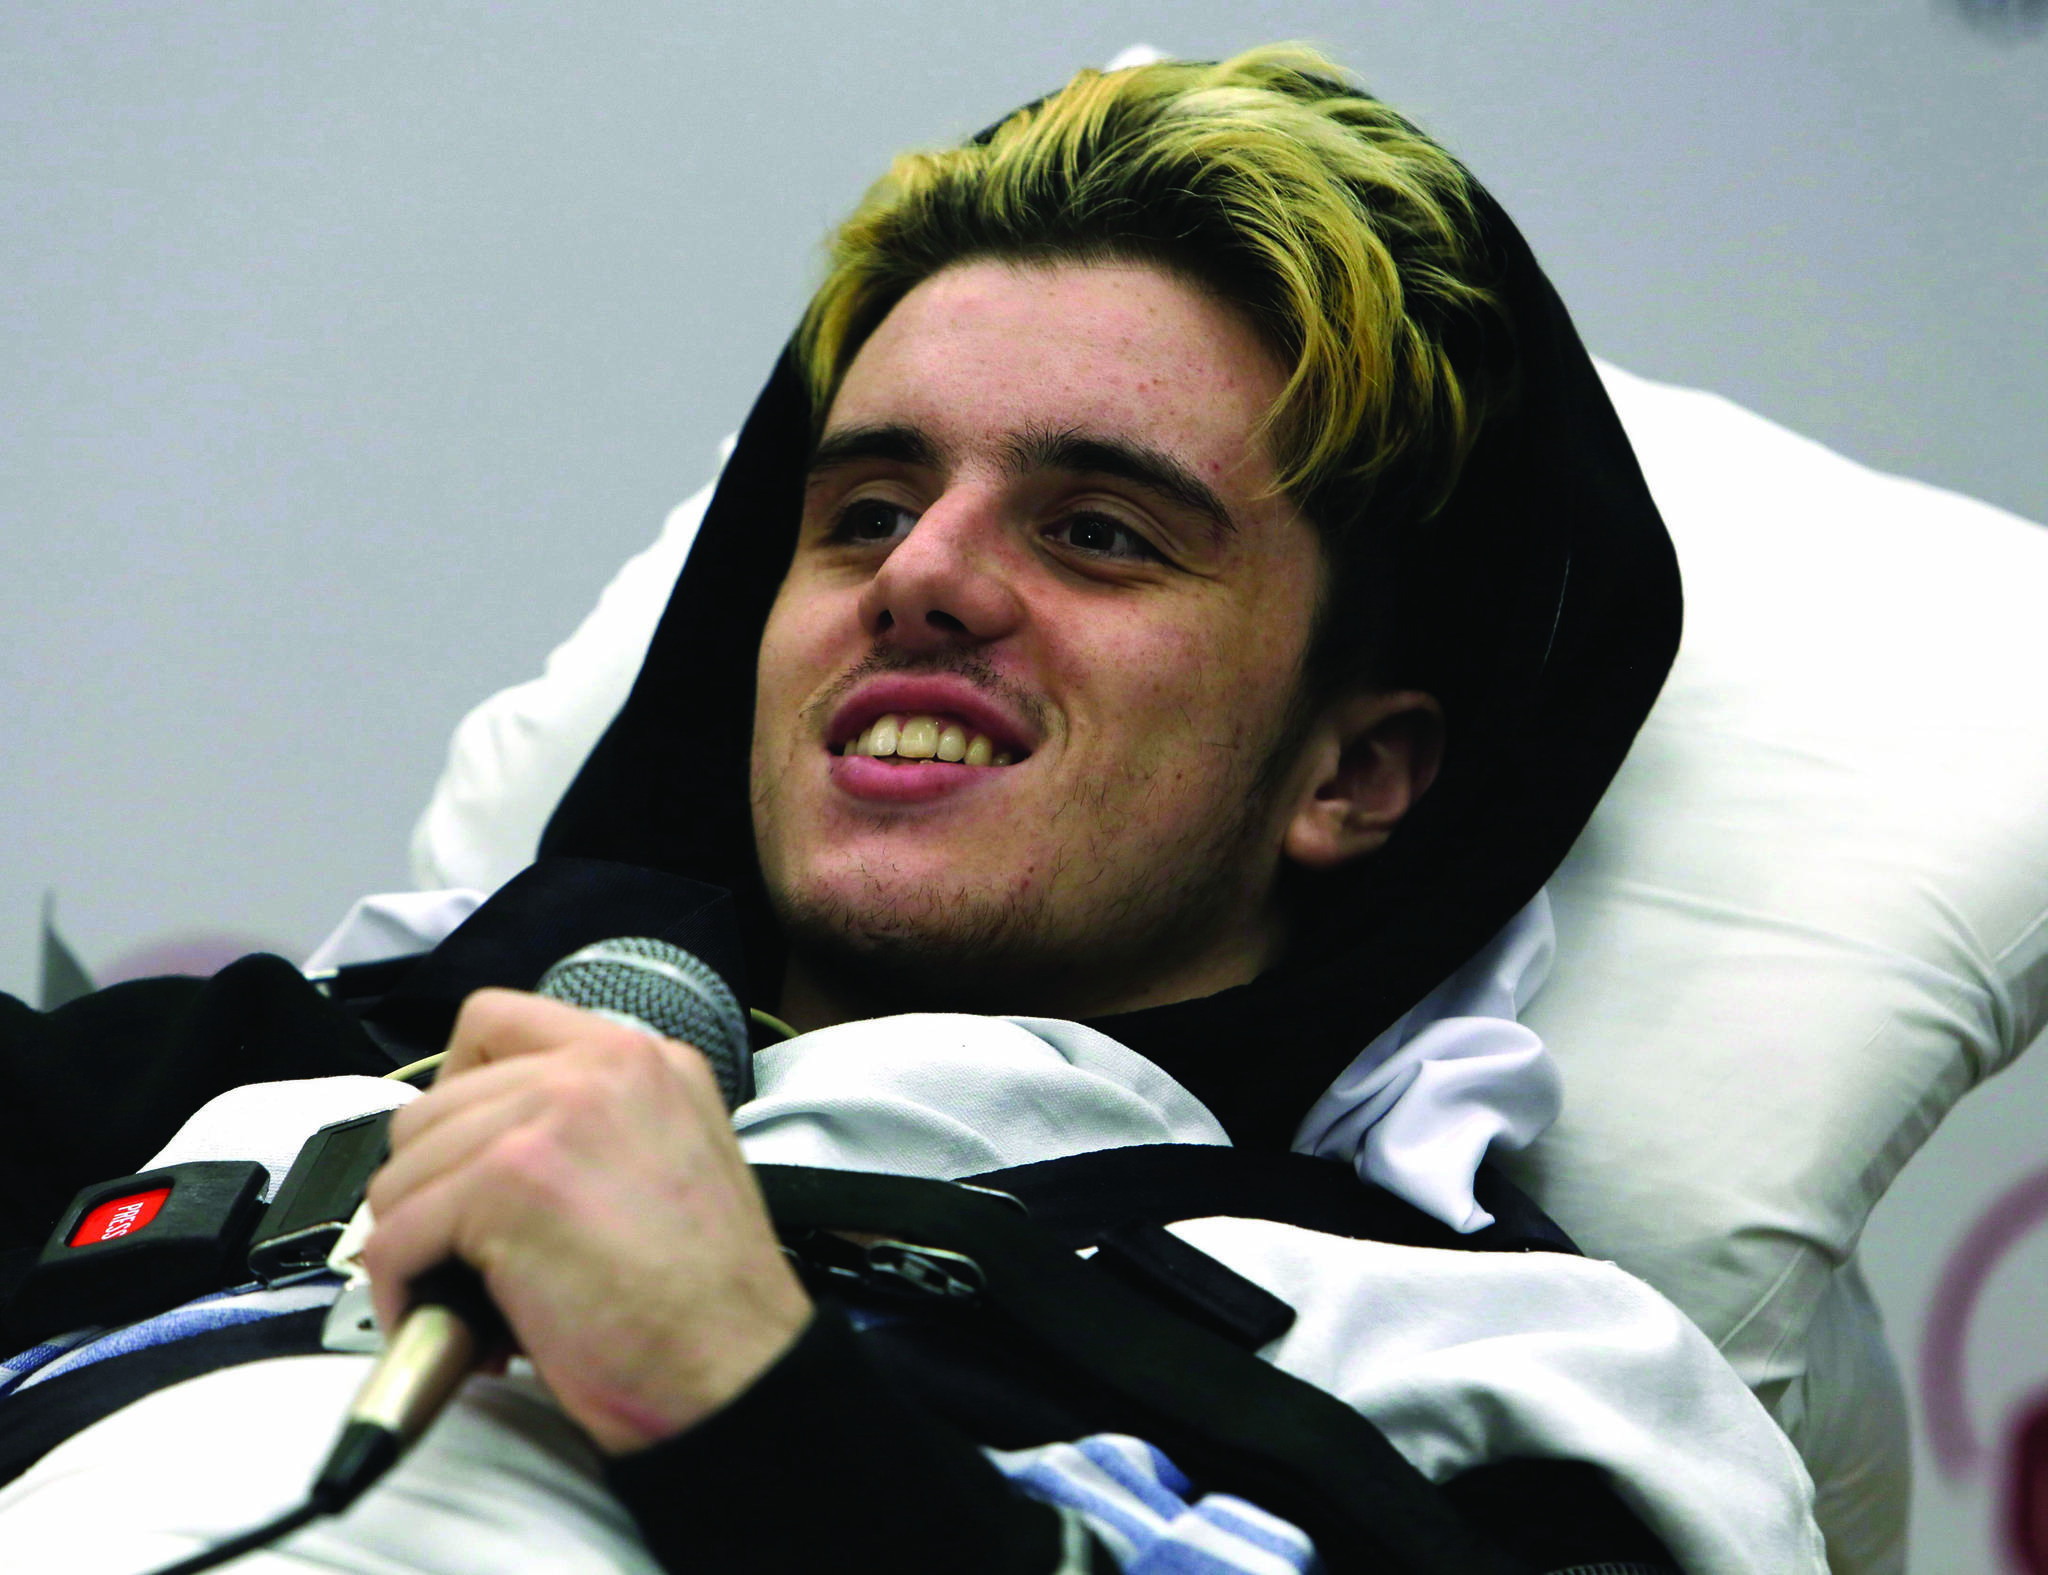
x: 459, y: 1132
x: 481, y: 1085
x: 509, y: 1200
x: 416, y: 1235
x: 594, y: 1100
x: 502, y: 1025
x: 692, y: 1068
x: 585, y: 1085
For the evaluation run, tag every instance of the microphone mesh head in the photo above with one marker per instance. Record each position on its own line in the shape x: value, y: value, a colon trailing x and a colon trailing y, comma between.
x: 664, y: 989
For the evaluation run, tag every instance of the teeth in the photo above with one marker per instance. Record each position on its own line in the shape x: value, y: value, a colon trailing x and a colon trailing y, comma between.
x: 926, y: 738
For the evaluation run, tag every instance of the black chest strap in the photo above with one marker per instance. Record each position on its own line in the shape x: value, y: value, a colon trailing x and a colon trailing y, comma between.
x: 1232, y: 1421
x: 1080, y: 1197
x: 1120, y: 1202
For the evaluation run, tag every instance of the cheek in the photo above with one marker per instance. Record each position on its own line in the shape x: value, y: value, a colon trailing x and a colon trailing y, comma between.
x: 1180, y: 701
x: 771, y: 668
x: 795, y: 658
x: 1223, y: 680
x: 779, y: 691
x: 768, y: 711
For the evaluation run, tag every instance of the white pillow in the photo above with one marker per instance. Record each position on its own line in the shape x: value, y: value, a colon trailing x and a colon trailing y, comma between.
x: 1812, y: 910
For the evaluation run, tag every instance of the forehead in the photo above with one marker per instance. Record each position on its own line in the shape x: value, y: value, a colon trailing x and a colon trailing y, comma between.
x: 985, y: 351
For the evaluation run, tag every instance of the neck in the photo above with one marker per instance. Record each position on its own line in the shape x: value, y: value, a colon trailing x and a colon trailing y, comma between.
x: 819, y: 992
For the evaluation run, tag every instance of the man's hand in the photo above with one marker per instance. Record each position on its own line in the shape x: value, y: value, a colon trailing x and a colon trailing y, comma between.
x: 589, y: 1172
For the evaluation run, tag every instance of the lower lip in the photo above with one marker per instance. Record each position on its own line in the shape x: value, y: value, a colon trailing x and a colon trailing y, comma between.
x: 909, y: 781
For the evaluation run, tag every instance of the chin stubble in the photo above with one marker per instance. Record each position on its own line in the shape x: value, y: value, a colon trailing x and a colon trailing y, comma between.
x: 1065, y: 949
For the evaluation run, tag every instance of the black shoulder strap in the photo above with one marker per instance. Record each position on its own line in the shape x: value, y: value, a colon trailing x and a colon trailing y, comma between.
x: 1245, y: 1427
x: 1558, y: 1514
x: 1080, y: 1197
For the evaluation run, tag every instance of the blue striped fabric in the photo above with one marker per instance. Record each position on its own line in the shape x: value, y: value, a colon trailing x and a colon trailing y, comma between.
x: 1136, y: 1501
x: 67, y: 1353
x: 16, y: 1369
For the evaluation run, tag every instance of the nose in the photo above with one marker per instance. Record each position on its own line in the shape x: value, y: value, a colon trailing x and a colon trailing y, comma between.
x: 948, y: 581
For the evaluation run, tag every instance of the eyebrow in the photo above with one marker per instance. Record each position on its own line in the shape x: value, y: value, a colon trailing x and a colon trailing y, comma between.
x: 1141, y: 464
x: 901, y: 445
x: 1046, y: 448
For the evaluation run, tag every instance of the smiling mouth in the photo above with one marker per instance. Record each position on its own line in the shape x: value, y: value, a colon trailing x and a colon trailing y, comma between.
x: 926, y: 737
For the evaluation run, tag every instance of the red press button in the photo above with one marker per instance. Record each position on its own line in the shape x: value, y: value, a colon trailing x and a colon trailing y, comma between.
x: 119, y: 1216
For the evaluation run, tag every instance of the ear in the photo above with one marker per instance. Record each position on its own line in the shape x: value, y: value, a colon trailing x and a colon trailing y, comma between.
x: 1369, y: 756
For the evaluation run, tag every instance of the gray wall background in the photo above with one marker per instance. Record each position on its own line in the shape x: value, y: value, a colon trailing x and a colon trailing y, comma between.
x: 346, y: 351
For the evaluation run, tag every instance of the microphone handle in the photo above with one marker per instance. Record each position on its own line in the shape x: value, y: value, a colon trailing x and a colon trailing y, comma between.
x: 455, y: 1286
x: 450, y: 1327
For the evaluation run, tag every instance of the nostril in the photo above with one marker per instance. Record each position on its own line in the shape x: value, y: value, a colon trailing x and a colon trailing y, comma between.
x: 886, y: 621
x: 946, y: 621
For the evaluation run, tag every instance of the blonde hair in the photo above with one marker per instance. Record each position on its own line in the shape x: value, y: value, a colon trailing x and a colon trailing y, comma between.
x: 1350, y: 240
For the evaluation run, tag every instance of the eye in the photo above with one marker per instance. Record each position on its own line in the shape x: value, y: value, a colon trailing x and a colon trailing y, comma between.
x: 872, y: 520
x: 1100, y: 536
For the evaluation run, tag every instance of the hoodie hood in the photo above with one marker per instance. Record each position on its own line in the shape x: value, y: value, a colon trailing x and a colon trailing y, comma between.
x: 1541, y: 606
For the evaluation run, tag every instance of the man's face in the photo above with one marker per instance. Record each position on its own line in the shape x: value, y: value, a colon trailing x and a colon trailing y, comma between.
x: 1036, y: 518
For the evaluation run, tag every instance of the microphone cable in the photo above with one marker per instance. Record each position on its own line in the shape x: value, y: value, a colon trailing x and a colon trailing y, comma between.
x: 639, y: 983
x: 249, y: 1541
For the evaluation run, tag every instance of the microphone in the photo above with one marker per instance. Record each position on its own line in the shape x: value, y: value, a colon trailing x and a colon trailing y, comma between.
x: 665, y: 990
x: 640, y: 983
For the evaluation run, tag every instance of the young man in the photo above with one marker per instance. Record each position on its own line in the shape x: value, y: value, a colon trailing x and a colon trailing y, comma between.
x: 1193, y: 591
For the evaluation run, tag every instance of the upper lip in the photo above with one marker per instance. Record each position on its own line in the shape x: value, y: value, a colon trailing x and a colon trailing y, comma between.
x: 929, y: 695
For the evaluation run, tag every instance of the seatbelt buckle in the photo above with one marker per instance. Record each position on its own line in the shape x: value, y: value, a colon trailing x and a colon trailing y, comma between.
x: 882, y: 1263
x: 317, y: 1197
x: 133, y: 1246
